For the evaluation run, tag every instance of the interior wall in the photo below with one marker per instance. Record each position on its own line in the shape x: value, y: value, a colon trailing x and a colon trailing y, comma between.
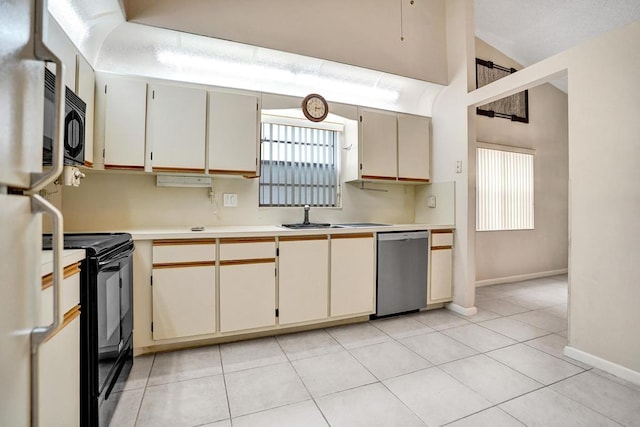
x: 505, y: 255
x: 604, y: 201
x: 452, y: 132
x: 365, y: 33
x: 112, y: 201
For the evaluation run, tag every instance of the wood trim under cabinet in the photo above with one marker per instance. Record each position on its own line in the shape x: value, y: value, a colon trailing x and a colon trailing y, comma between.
x: 178, y: 242
x: 247, y: 240
x: 300, y: 238
x: 352, y: 236
x: 184, y: 264
x: 247, y: 261
x: 232, y: 172
x: 170, y: 169
x: 443, y: 231
x: 439, y: 248
x: 68, y: 317
x: 386, y: 178
x: 68, y: 271
x: 125, y: 167
x: 426, y: 181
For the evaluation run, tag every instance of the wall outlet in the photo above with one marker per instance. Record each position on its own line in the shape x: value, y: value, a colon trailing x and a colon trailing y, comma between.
x: 230, y: 200
x: 459, y: 166
x: 431, y: 201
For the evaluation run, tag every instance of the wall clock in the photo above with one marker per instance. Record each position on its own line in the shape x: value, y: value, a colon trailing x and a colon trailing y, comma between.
x: 315, y: 107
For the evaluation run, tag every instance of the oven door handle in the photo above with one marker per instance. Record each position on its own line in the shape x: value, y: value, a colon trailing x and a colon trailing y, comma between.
x: 120, y: 256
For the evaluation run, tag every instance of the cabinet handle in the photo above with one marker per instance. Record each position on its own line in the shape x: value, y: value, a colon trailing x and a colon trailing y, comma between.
x: 42, y: 52
x: 40, y: 333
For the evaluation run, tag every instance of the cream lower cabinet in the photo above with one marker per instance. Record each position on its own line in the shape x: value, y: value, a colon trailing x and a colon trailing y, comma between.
x: 353, y: 279
x: 440, y: 267
x: 183, y: 288
x: 59, y: 355
x: 247, y: 283
x: 303, y: 278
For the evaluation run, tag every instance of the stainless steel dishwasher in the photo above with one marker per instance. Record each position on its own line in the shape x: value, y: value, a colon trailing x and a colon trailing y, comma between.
x: 402, y: 272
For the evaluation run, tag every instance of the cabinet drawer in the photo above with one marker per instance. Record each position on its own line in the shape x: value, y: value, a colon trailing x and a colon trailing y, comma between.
x: 69, y: 293
x: 236, y: 249
x: 441, y: 239
x: 183, y: 251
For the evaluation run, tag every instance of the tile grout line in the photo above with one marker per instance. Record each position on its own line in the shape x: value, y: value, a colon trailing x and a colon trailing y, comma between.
x: 224, y: 382
x: 144, y: 392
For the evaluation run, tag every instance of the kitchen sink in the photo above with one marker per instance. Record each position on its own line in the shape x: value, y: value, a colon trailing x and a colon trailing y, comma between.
x: 311, y: 225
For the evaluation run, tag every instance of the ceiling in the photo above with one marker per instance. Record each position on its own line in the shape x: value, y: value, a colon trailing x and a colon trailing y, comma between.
x: 529, y: 31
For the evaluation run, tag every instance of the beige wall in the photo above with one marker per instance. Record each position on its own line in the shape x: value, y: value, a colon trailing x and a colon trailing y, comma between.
x: 452, y: 132
x: 365, y: 33
x: 126, y: 201
x: 508, y: 255
x: 604, y: 150
x: 604, y: 199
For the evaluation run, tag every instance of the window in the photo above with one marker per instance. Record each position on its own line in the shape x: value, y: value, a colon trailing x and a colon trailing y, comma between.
x: 504, y: 197
x: 299, y: 164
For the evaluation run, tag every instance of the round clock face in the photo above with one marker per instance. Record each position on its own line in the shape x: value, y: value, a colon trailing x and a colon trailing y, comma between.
x: 315, y: 108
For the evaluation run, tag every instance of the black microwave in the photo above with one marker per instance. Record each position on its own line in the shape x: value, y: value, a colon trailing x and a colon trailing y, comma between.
x: 73, y: 123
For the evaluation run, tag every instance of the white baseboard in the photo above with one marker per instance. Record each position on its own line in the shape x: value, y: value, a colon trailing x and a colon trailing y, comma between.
x: 520, y: 277
x: 460, y: 309
x: 607, y: 366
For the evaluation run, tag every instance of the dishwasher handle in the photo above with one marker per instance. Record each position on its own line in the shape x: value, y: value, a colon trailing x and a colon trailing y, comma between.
x: 402, y: 235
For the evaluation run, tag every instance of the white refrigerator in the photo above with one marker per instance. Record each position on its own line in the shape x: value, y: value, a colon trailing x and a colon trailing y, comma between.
x: 22, y: 52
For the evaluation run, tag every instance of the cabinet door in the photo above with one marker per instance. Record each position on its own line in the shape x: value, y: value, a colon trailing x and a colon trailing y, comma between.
x: 124, y: 123
x: 184, y: 301
x: 85, y: 88
x: 353, y: 280
x: 233, y: 133
x: 63, y: 47
x: 59, y: 383
x: 176, y: 124
x: 413, y: 148
x: 441, y: 275
x: 303, y: 275
x: 247, y: 296
x: 379, y: 145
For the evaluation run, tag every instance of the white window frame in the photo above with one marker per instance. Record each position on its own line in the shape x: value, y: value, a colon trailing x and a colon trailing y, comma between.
x: 498, y: 211
x: 287, y: 118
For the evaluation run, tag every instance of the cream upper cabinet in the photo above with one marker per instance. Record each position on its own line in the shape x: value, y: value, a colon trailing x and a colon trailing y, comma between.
x: 303, y: 278
x: 378, y: 136
x: 392, y: 147
x: 85, y: 89
x: 247, y: 283
x: 413, y: 148
x: 125, y: 109
x: 233, y: 133
x: 183, y: 288
x: 440, y: 267
x: 176, y: 123
x: 353, y: 280
x: 59, y: 43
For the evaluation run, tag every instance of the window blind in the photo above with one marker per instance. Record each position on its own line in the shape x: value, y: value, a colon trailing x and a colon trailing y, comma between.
x: 298, y: 166
x: 504, y: 190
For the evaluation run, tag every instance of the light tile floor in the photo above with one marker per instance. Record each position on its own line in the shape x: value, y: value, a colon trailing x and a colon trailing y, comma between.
x: 501, y: 367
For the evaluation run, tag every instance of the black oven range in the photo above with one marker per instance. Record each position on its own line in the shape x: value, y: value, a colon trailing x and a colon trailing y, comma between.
x: 106, y: 321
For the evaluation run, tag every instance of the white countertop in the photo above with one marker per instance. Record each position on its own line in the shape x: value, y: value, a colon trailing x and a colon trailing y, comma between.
x: 69, y: 256
x: 269, y: 230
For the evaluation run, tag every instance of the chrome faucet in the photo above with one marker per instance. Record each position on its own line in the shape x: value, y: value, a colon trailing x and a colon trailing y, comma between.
x: 306, y: 214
